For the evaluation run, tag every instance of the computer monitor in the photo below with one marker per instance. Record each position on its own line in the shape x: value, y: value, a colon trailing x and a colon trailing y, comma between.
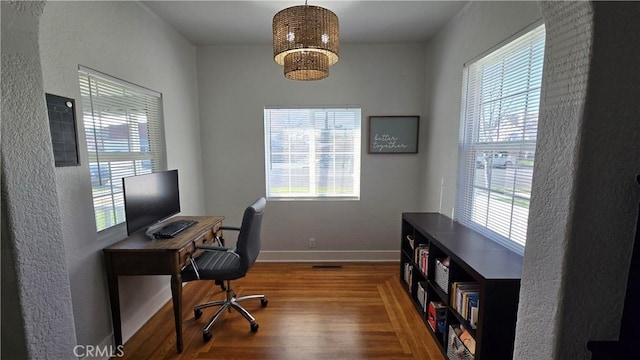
x: 150, y: 198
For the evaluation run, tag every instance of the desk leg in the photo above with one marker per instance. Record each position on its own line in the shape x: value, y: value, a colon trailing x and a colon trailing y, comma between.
x: 114, y: 298
x: 176, y: 295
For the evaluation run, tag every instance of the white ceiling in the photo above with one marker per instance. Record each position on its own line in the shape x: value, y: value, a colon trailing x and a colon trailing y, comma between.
x: 249, y: 22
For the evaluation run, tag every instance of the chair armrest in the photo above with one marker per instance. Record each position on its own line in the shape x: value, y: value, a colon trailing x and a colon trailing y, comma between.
x: 234, y: 228
x: 211, y: 248
x: 220, y: 239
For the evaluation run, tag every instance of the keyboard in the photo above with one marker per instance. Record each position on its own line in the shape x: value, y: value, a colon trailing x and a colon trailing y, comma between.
x: 173, y: 228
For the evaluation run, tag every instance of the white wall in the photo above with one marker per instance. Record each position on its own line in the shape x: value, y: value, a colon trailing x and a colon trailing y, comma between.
x: 236, y: 83
x: 126, y: 41
x: 474, y: 30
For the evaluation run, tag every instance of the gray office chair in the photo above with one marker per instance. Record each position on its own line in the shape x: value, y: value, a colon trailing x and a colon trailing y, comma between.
x: 226, y: 264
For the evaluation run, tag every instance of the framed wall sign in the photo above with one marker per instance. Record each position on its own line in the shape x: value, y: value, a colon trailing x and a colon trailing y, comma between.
x: 62, y: 122
x: 393, y: 134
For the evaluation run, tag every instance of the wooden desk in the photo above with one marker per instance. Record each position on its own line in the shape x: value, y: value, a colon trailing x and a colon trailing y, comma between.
x: 138, y: 255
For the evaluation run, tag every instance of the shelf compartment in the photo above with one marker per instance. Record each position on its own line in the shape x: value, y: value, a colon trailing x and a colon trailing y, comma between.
x: 437, y: 317
x: 458, y: 349
x: 463, y: 322
x: 444, y: 297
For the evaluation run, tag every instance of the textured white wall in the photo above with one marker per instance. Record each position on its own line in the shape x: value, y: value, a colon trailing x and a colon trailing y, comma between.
x: 567, y: 52
x: 585, y: 201
x: 126, y: 41
x: 32, y: 239
x: 236, y: 83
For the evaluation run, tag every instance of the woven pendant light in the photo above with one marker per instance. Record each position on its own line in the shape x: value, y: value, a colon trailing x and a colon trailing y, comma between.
x: 305, y: 41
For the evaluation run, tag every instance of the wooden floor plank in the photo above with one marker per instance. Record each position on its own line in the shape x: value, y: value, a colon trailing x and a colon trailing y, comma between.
x: 358, y: 311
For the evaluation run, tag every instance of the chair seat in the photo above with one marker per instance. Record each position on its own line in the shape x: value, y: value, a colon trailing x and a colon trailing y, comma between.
x: 215, y: 265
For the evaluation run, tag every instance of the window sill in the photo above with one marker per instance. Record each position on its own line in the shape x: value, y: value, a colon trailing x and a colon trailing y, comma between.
x: 328, y: 198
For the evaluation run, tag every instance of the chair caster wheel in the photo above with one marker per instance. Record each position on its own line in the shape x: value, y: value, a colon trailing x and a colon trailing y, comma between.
x: 197, y: 313
x: 206, y: 336
x: 264, y: 302
x: 254, y: 327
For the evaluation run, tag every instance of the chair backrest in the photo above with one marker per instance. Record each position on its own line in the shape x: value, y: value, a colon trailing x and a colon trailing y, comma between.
x: 249, y: 241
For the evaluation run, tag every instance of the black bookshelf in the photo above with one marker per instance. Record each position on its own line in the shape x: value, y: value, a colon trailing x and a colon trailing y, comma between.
x: 473, y: 258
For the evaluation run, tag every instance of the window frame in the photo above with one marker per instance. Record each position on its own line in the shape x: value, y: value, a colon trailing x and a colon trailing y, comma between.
x: 354, y: 161
x: 108, y: 157
x: 510, y: 151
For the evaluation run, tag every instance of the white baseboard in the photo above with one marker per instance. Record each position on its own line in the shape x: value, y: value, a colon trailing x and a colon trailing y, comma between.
x: 107, y: 343
x: 329, y: 256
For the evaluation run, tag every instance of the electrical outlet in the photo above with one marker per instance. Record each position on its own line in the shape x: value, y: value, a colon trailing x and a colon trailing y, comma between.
x: 312, y: 243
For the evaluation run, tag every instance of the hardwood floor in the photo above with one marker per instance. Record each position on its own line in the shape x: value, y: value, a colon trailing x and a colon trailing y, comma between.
x: 359, y: 311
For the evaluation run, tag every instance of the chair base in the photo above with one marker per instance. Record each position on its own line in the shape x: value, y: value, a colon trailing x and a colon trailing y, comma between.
x: 230, y: 302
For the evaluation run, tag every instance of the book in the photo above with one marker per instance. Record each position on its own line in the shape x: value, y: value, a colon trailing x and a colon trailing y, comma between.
x: 420, y: 257
x: 431, y: 316
x: 472, y: 302
x: 425, y: 262
x: 464, y: 304
x: 474, y: 318
x: 459, y: 294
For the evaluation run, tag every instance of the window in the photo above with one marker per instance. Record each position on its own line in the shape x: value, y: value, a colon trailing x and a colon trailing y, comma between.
x: 312, y: 153
x: 123, y: 131
x: 501, y: 93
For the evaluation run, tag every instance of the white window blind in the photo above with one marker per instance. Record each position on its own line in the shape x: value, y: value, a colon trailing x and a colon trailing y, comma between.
x: 501, y: 98
x: 122, y: 123
x: 312, y: 153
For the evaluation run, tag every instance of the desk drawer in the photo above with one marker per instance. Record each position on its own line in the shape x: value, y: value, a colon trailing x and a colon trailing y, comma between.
x: 142, y: 263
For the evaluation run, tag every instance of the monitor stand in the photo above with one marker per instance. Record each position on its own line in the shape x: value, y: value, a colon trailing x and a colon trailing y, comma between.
x: 152, y: 229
